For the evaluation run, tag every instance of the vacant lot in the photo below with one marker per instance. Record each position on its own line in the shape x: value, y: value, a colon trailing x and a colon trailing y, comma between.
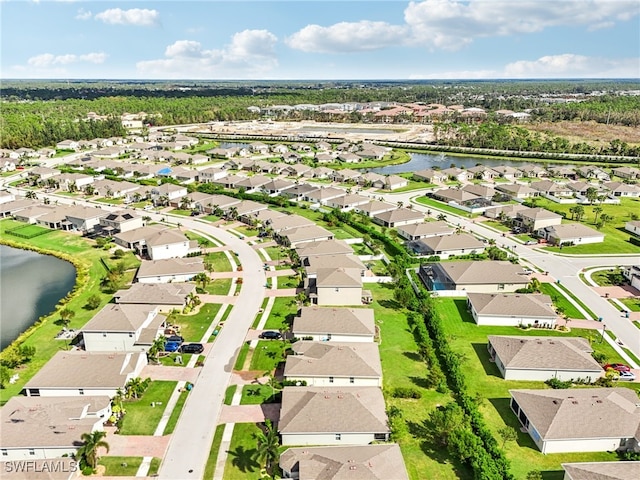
x: 589, y: 132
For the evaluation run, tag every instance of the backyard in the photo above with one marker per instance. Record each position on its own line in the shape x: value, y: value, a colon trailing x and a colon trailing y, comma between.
x: 483, y: 378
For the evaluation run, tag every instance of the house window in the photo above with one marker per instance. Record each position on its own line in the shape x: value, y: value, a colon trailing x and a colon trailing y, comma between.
x: 81, y: 391
x: 104, y: 334
x: 330, y: 379
x: 338, y: 436
x: 130, y: 335
x: 352, y: 380
x: 382, y: 437
x: 501, y: 286
x: 337, y: 289
x: 32, y: 451
x: 4, y: 453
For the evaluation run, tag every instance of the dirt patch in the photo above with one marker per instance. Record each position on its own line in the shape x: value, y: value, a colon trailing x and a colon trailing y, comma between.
x: 589, y: 132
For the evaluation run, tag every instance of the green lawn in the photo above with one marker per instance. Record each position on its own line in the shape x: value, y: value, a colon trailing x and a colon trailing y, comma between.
x: 219, y: 261
x: 607, y: 278
x: 247, y: 231
x: 141, y: 418
x: 632, y: 303
x: 219, y: 286
x: 378, y: 267
x: 193, y: 327
x: 257, y: 394
x: 120, y: 466
x: 82, y: 252
x: 183, y: 213
x: 170, y: 359
x: 267, y: 355
x: 403, y: 367
x: 560, y: 301
x: 282, y: 312
x: 616, y: 239
x: 430, y: 202
x: 570, y: 294
x: 289, y: 281
x: 241, y: 359
x: 228, y: 394
x: 211, y: 218
x: 361, y: 249
x: 495, y: 225
x: 175, y: 414
x: 241, y: 463
x: 484, y: 379
x: 210, y: 467
x: 110, y: 201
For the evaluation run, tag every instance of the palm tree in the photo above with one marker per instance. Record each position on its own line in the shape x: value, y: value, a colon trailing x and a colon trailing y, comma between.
x: 66, y: 314
x: 267, y: 445
x: 88, y: 452
x: 442, y: 217
x: 591, y: 194
x: 156, y: 348
x: 597, y: 211
x: 31, y: 195
x: 193, y: 300
x: 604, y: 218
x: 135, y: 387
x: 579, y: 212
x: 203, y: 279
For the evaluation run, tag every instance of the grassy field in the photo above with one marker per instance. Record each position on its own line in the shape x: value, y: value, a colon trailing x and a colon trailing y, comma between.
x: 82, y: 252
x: 632, y: 303
x: 483, y: 378
x: 403, y: 367
x: 267, y: 355
x: 219, y: 286
x: 141, y: 418
x: 289, y: 281
x: 257, y: 394
x: 241, y: 463
x: 430, y: 202
x: 193, y: 327
x: 282, y: 312
x: 616, y: 239
x: 247, y: 231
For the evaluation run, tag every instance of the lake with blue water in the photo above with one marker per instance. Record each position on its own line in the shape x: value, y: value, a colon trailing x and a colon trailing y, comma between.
x: 31, y: 285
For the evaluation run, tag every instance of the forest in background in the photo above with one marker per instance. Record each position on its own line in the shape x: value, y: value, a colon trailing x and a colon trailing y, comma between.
x: 41, y: 113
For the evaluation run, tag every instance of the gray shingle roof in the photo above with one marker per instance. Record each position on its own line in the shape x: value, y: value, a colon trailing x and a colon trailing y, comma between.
x: 545, y: 353
x: 581, y: 413
x: 602, y: 470
x: 335, y: 359
x: 520, y: 304
x: 334, y: 410
x: 335, y: 320
x: 445, y: 243
x: 484, y: 272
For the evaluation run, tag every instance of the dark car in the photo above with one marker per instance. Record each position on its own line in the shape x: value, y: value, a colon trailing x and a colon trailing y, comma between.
x: 171, y: 346
x: 192, y: 348
x: 270, y: 335
x: 619, y: 367
x: 175, y: 338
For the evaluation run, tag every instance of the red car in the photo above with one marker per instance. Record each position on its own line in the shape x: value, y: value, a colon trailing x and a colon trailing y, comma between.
x: 619, y: 367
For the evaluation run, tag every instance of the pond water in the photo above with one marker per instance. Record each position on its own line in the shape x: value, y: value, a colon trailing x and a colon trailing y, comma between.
x: 31, y: 285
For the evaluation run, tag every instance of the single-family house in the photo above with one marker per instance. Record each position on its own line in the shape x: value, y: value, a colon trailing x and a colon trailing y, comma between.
x: 533, y: 171
x: 323, y: 195
x: 470, y: 276
x: 336, y: 286
x: 570, y: 234
x: 6, y: 196
x: 533, y: 219
x: 398, y: 217
x: 370, y: 178
x: 13, y: 207
x: 457, y: 174
x: 430, y: 176
x: 485, y: 192
x: 253, y: 184
x: 348, y: 202
x: 68, y: 145
x: 507, y: 172
x: 633, y: 226
x: 482, y: 172
x: 336, y: 324
x: 127, y: 327
x: 512, y: 309
x: 517, y: 190
x: 459, y: 196
x: 168, y: 191
x: 416, y: 231
x: 276, y: 186
x: 312, y: 264
x: 446, y: 246
x: 589, y: 171
x: 543, y: 358
x: 49, y: 427
x: 283, y: 223
x: 328, y: 247
x: 346, y: 175
x: 628, y: 173
x: 299, y: 192
x: 349, y: 157
x: 164, y: 296
x: 391, y: 182
x: 579, y: 419
x: 169, y: 270
x: 334, y: 364
x: 551, y: 188
x: 332, y: 416
x: 75, y: 373
x: 375, y: 462
x: 505, y: 212
x: 297, y: 170
x: 168, y: 243
x: 210, y: 174
x: 600, y: 470
x: 84, y: 219
x: 244, y: 208
x: 375, y: 207
x: 619, y: 189
x: 310, y: 233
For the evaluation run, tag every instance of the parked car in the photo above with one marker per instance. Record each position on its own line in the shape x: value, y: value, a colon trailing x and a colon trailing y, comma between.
x: 171, y: 346
x: 618, y: 367
x: 531, y: 242
x: 270, y: 335
x: 175, y: 338
x: 628, y: 376
x: 192, y: 348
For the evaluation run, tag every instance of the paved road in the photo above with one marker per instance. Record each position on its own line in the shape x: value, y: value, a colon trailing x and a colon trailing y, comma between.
x: 191, y: 440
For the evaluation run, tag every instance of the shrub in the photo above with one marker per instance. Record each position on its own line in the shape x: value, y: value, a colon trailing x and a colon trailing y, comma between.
x: 558, y: 384
x: 406, y: 392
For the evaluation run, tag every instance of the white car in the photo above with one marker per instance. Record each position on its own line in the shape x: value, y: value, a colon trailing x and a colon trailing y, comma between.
x: 629, y: 376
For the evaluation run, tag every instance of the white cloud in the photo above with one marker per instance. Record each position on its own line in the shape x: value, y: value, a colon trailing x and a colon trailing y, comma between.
x: 347, y: 37
x: 46, y: 60
x: 84, y: 14
x: 452, y: 24
x: 251, y: 54
x: 569, y: 65
x: 140, y: 17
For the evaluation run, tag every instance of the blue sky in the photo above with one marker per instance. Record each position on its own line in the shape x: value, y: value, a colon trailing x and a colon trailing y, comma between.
x: 311, y: 39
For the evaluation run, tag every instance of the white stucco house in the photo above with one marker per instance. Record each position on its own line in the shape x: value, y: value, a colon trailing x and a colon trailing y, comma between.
x: 579, y: 419
x: 169, y: 270
x: 357, y: 417
x: 571, y: 233
x: 334, y: 364
x: 601, y: 470
x: 478, y: 277
x: 543, y: 358
x: 339, y: 286
x: 511, y: 309
x: 338, y: 324
x: 45, y: 428
x: 633, y: 227
x: 78, y: 373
